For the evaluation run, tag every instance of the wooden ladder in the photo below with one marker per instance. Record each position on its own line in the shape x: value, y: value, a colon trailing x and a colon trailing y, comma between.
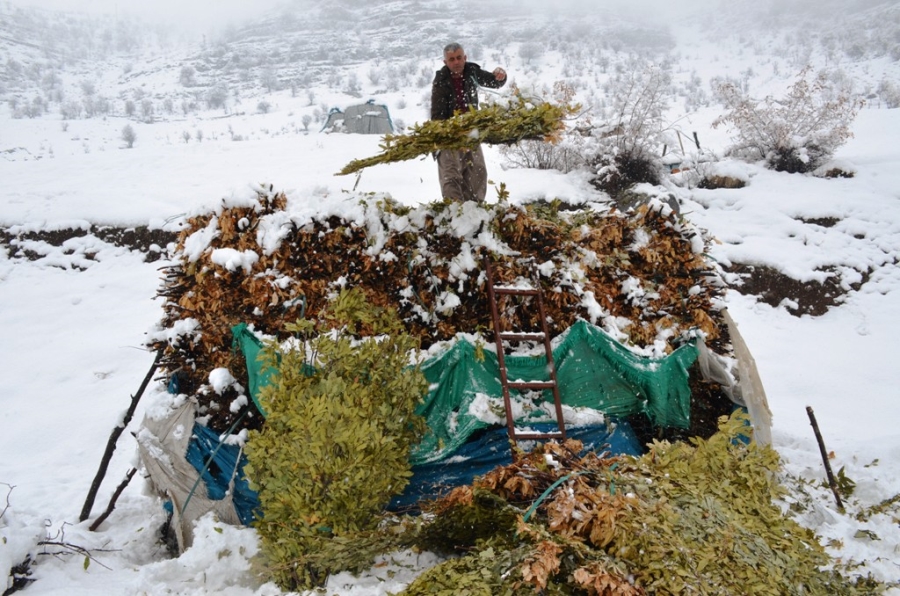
x: 500, y: 336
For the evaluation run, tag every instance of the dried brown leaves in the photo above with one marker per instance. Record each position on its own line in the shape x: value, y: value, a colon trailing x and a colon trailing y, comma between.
x: 586, y: 259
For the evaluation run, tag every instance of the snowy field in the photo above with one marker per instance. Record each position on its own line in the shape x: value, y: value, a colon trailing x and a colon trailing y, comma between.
x: 75, y: 318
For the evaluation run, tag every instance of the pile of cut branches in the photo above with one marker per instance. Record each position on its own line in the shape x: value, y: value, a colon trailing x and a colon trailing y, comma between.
x: 497, y: 124
x: 699, y: 517
x: 686, y: 518
x: 641, y: 275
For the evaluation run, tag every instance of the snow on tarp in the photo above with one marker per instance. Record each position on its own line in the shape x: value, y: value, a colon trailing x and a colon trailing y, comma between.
x: 599, y: 381
x: 367, y: 118
x: 595, y: 374
x: 163, y: 445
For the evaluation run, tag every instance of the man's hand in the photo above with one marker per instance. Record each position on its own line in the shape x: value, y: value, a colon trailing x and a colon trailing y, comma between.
x: 499, y: 74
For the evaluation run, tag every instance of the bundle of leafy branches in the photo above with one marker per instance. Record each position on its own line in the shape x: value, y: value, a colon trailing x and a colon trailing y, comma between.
x: 495, y: 124
x: 335, y: 446
x: 686, y: 518
x: 641, y: 275
x: 699, y: 517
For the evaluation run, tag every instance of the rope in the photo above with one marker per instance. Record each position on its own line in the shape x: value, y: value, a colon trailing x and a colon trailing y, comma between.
x: 209, y: 462
x: 549, y: 490
x: 536, y: 504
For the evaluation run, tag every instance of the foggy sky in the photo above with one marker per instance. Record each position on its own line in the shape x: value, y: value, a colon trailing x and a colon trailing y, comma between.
x: 213, y: 14
x: 204, y: 14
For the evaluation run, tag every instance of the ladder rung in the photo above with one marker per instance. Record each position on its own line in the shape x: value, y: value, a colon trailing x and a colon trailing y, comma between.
x: 515, y: 291
x: 525, y: 436
x: 537, y: 335
x: 531, y: 384
x: 520, y: 289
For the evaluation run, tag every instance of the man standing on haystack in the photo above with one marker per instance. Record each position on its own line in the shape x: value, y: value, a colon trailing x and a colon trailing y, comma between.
x: 462, y: 173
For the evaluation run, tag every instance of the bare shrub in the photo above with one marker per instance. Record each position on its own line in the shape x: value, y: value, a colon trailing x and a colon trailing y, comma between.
x: 147, y: 110
x: 565, y: 155
x: 129, y: 136
x: 889, y: 93
x: 542, y: 155
x: 186, y: 77
x: 795, y: 134
x: 529, y: 51
x: 70, y: 110
x: 216, y: 97
x: 627, y: 145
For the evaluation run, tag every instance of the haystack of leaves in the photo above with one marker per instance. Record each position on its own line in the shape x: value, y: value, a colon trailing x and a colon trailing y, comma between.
x: 686, y: 518
x: 641, y: 275
x: 496, y: 124
x: 699, y: 517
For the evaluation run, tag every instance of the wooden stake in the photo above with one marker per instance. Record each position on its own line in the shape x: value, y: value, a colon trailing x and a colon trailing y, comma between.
x: 112, y: 501
x: 114, y: 437
x: 831, y: 481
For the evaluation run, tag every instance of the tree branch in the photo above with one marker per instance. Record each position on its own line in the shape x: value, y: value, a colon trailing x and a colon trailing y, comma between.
x: 114, y: 437
x: 112, y: 501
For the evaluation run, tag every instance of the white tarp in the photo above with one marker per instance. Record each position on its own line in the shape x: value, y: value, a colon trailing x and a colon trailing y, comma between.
x: 367, y: 118
x: 162, y: 445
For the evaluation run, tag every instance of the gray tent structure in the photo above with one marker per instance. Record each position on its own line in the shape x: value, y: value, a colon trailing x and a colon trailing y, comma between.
x: 366, y: 118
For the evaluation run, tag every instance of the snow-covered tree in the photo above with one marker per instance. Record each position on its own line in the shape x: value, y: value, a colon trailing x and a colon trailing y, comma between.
x: 629, y: 141
x: 129, y: 136
x: 796, y: 133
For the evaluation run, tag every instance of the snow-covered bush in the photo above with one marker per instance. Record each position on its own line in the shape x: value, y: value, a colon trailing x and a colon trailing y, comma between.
x: 129, y: 136
x: 797, y: 133
x: 624, y: 150
x: 627, y: 147
x: 566, y: 154
x: 889, y: 93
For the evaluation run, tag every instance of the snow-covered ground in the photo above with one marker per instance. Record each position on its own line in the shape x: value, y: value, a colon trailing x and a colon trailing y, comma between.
x: 74, y: 321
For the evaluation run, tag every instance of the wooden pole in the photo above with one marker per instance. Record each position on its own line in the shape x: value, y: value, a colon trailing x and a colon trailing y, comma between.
x: 114, y: 437
x: 831, y: 481
x: 112, y: 501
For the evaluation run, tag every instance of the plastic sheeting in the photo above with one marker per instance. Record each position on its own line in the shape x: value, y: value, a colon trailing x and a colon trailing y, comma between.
x: 163, y: 445
x: 191, y: 468
x: 490, y: 449
x: 593, y: 370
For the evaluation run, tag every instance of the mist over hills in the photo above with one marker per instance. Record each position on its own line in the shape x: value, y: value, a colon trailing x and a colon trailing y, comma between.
x: 218, y: 111
x: 72, y: 66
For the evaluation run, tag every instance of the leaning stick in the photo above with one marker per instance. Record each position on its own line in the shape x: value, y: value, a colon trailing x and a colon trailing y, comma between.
x: 831, y: 481
x: 112, y: 501
x: 114, y: 437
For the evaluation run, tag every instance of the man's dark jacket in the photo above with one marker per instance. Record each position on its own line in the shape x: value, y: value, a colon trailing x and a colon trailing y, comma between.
x: 443, y: 102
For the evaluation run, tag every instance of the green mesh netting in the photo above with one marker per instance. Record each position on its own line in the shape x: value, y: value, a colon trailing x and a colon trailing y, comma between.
x: 593, y: 371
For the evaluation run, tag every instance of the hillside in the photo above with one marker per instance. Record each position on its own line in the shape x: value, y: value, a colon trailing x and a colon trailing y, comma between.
x: 93, y: 231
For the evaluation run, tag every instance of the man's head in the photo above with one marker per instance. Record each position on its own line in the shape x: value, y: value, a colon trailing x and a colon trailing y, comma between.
x: 455, y: 58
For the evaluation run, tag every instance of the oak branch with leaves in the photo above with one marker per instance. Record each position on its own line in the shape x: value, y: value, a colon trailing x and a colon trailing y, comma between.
x: 496, y: 124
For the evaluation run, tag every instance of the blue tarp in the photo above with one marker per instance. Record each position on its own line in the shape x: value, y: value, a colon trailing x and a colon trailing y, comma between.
x: 217, y: 462
x: 485, y: 452
x: 429, y: 481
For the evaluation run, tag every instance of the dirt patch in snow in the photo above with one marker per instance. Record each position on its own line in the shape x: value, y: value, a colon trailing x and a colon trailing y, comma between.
x: 769, y: 285
x: 798, y: 297
x: 150, y: 242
